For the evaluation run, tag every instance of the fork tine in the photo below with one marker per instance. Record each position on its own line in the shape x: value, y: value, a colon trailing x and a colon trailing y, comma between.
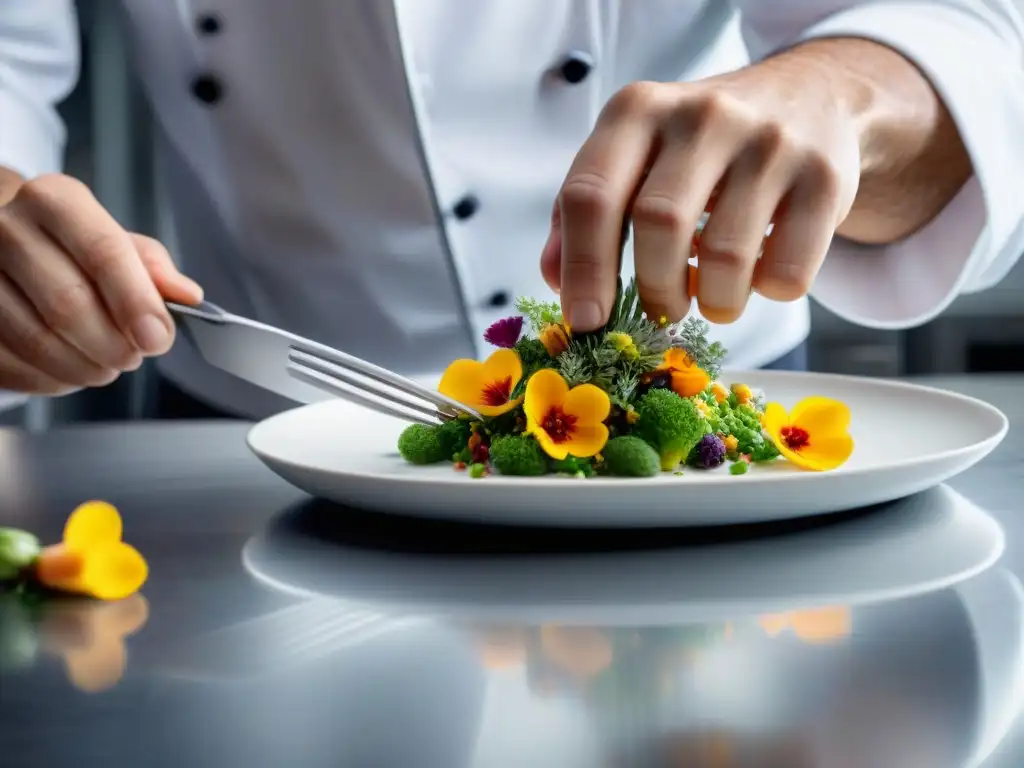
x: 337, y: 373
x: 383, y: 376
x: 329, y: 382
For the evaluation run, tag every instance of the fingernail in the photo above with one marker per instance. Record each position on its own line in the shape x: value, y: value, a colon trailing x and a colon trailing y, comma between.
x: 585, y: 315
x: 191, y: 287
x: 717, y: 287
x: 150, y: 333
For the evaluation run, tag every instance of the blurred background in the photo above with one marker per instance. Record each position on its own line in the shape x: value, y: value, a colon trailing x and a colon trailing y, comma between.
x: 109, y: 149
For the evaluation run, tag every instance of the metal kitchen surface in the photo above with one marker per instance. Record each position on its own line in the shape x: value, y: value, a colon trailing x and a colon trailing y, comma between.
x: 425, y: 645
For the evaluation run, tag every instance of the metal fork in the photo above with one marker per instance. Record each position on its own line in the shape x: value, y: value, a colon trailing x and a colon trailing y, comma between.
x: 304, y: 371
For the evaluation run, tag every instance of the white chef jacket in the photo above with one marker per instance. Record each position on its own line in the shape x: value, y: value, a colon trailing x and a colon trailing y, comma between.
x: 378, y: 175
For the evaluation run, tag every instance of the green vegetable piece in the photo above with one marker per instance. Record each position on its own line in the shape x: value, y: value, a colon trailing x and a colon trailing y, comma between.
x: 453, y: 435
x: 630, y: 456
x: 18, y: 549
x: 766, y: 451
x: 423, y: 444
x: 670, y: 424
x: 571, y: 465
x: 739, y: 467
x: 477, y: 470
x: 518, y: 455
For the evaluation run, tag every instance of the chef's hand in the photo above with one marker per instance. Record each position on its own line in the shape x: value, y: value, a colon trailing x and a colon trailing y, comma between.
x: 80, y: 298
x: 768, y: 144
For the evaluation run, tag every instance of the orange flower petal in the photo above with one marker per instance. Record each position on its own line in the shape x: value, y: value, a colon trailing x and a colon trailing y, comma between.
x: 589, y: 404
x: 689, y: 381
x: 821, y: 417
x: 545, y: 389
x: 467, y: 381
x: 59, y: 567
x: 91, y: 523
x: 587, y: 440
x: 675, y: 359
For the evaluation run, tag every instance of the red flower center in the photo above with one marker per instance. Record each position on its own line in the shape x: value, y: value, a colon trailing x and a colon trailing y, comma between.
x: 559, y: 425
x: 498, y: 393
x: 795, y: 438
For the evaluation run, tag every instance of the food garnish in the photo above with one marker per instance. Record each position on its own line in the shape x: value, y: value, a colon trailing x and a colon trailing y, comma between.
x: 636, y: 399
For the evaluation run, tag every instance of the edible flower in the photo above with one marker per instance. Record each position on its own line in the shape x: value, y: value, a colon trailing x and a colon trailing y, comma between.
x: 484, y: 386
x: 814, y: 435
x: 555, y: 339
x: 688, y: 379
x: 720, y: 392
x: 743, y: 393
x: 566, y: 421
x: 624, y: 345
x: 505, y: 333
x: 92, y: 559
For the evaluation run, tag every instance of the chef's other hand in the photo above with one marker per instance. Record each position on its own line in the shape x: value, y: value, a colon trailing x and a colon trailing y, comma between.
x: 80, y: 298
x: 767, y: 144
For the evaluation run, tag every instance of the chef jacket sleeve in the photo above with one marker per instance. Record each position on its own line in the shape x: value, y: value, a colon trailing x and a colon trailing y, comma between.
x: 39, y: 61
x: 973, y: 53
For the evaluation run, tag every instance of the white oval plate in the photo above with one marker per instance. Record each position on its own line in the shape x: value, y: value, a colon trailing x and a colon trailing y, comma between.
x: 908, y: 438
x: 930, y: 541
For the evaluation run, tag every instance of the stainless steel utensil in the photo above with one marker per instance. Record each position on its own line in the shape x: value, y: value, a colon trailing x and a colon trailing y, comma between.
x: 304, y: 371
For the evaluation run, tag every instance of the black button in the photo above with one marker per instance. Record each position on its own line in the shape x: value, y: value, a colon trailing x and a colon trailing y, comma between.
x: 466, y: 207
x: 576, y: 67
x: 208, y: 24
x: 207, y: 89
x: 499, y: 299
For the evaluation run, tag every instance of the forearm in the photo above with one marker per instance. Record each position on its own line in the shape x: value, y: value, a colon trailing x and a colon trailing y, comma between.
x: 10, y: 181
x: 913, y: 161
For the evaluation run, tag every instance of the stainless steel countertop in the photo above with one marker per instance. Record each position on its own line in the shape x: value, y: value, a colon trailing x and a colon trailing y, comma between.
x: 225, y: 669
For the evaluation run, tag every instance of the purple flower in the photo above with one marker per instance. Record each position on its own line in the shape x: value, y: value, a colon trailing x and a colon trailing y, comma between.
x: 710, y: 451
x: 504, y: 333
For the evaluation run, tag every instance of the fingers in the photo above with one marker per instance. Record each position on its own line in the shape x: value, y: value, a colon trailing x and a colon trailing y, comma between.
x: 665, y: 216
x: 23, y: 333
x: 61, y: 294
x: 551, y: 254
x: 170, y: 283
x: 593, y: 202
x: 732, y: 239
x: 105, y: 254
x: 801, y: 236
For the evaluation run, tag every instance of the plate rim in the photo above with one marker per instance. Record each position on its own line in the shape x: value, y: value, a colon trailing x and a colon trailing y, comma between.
x: 985, y: 446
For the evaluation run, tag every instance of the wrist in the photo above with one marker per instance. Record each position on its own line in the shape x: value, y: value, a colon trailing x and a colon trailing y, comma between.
x: 10, y: 183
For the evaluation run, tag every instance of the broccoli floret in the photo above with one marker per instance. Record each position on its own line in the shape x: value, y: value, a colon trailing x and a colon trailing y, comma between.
x: 453, y: 435
x: 518, y: 455
x: 671, y: 424
x: 766, y: 451
x: 629, y: 456
x: 423, y: 444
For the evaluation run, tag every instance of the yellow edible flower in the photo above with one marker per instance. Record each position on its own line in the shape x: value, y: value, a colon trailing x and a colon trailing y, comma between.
x: 566, y: 421
x: 688, y: 379
x: 625, y: 345
x: 555, y: 339
x: 92, y: 559
x: 814, y: 435
x: 484, y: 386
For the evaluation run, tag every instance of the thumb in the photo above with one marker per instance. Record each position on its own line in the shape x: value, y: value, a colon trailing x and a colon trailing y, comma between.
x: 172, y: 285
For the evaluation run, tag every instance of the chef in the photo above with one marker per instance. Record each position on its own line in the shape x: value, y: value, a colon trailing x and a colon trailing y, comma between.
x: 386, y: 177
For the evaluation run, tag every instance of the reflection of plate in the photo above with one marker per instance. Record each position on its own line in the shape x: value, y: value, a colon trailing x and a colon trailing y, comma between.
x: 909, y: 438
x: 931, y: 540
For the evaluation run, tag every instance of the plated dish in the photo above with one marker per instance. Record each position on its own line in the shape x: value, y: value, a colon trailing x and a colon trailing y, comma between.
x: 638, y: 398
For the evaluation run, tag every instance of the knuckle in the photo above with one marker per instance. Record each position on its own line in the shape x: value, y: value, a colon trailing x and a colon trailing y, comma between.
x: 660, y: 212
x: 770, y: 141
x: 822, y: 174
x: 637, y: 96
x: 100, y: 253
x: 722, y: 257
x: 64, y: 306
x: 586, y: 195
x: 47, y: 190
